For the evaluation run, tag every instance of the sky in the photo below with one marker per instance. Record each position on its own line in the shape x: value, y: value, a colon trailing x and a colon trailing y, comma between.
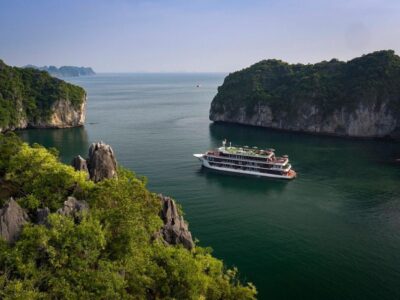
x: 192, y: 35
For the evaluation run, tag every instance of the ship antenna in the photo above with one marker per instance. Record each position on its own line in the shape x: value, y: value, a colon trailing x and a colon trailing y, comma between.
x: 224, y: 143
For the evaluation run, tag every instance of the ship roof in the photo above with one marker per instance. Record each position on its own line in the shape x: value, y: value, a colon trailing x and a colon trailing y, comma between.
x: 254, y: 152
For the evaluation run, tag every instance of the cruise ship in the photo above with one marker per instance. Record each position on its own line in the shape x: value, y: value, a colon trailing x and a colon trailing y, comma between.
x: 247, y: 161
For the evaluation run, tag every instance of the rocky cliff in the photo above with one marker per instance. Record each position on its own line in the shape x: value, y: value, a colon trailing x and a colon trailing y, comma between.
x: 31, y: 98
x: 358, y: 98
x: 101, y: 164
x: 175, y: 230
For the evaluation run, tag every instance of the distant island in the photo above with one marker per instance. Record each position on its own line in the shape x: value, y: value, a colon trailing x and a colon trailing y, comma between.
x: 31, y: 98
x: 65, y: 71
x: 357, y: 98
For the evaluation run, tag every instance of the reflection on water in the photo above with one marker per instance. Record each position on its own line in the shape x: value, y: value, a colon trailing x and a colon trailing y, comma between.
x: 70, y: 141
x: 232, y: 182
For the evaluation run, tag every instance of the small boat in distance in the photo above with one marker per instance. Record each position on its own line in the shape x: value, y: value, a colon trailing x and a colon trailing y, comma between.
x: 247, y: 161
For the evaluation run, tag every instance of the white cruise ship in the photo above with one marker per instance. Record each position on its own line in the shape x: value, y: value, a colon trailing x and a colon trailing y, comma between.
x: 247, y: 161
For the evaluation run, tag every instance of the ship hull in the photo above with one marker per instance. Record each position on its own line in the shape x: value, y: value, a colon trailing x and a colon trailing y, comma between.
x: 206, y: 164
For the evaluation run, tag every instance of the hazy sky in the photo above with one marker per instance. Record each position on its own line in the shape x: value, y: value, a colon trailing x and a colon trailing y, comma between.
x: 192, y: 35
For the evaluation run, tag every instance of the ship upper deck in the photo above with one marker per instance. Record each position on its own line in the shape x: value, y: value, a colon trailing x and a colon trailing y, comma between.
x: 246, y: 151
x: 250, y: 156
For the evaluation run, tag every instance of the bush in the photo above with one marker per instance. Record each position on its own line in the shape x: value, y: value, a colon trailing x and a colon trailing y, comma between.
x: 110, y: 252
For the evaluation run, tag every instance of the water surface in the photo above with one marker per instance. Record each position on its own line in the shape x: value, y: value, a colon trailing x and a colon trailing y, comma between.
x: 333, y: 233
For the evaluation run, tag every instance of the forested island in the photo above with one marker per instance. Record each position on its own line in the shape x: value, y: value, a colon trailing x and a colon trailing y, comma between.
x: 94, y: 231
x: 357, y: 98
x: 65, y: 71
x: 31, y: 98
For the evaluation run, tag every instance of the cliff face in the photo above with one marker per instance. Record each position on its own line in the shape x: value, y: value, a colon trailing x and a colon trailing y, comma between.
x: 360, y: 98
x: 365, y: 121
x: 33, y: 99
x: 63, y: 115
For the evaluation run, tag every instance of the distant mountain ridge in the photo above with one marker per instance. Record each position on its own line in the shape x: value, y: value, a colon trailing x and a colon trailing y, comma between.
x: 65, y: 71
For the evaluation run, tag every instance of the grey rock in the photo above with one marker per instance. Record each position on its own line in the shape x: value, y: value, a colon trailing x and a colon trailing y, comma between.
x: 175, y: 230
x: 41, y: 215
x: 12, y: 219
x: 366, y: 121
x: 101, y: 162
x: 73, y: 207
x: 79, y: 163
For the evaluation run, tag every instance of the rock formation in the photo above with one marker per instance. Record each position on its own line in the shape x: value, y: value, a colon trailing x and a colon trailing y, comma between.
x: 358, y: 98
x: 12, y: 219
x: 101, y: 163
x: 79, y: 164
x: 73, y: 207
x: 41, y: 215
x: 175, y: 230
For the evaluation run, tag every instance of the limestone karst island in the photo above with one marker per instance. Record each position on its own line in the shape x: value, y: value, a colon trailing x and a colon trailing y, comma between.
x: 357, y: 98
x: 31, y: 98
x: 199, y: 150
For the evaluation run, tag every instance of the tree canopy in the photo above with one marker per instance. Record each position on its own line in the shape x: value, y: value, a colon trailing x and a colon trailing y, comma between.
x: 109, y: 253
x: 327, y: 85
x: 29, y: 93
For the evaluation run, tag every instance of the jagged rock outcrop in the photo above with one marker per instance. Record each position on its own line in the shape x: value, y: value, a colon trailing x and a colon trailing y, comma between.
x: 175, y: 230
x: 79, y: 164
x: 12, y: 219
x: 41, y: 215
x: 101, y: 162
x: 358, y: 98
x: 33, y: 99
x: 73, y: 207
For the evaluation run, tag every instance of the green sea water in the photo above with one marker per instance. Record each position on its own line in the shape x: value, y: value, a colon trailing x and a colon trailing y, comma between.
x: 333, y: 233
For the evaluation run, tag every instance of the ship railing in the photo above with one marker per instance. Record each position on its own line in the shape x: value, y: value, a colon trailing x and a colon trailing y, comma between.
x: 250, y: 168
x: 239, y: 166
x: 265, y: 161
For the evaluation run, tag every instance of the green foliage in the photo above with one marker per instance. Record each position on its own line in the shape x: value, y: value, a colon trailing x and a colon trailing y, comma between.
x: 111, y: 252
x: 29, y: 202
x: 38, y: 173
x: 9, y: 145
x: 30, y: 93
x: 327, y: 85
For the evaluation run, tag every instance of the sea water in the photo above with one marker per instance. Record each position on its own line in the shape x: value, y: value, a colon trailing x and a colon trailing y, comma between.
x: 332, y: 233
